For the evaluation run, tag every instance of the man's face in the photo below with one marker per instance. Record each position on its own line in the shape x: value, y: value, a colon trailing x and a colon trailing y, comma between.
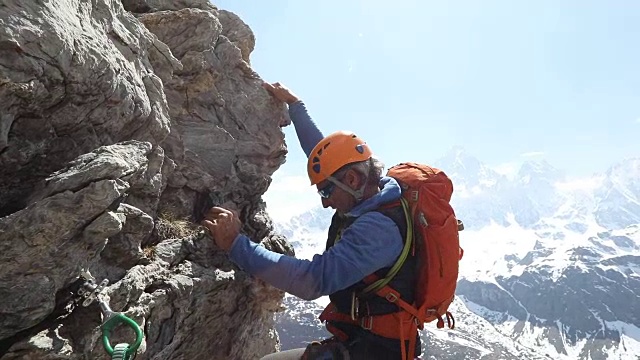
x: 334, y: 196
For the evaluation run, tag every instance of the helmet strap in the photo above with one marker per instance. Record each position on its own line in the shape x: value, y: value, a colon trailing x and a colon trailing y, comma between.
x: 358, y: 194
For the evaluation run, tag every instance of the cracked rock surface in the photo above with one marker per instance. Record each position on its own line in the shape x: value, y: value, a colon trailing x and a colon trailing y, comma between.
x: 116, y: 117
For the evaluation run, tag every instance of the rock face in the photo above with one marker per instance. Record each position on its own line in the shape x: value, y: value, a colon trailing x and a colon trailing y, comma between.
x: 116, y: 116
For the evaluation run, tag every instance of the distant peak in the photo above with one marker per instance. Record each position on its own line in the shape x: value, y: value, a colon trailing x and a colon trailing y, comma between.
x: 540, y: 169
x: 538, y: 166
x: 630, y: 164
x: 456, y: 150
x: 460, y: 165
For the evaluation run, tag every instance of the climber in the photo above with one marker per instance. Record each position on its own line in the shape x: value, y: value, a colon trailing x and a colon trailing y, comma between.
x: 362, y: 240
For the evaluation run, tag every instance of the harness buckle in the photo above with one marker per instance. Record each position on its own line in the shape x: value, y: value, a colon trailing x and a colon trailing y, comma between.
x: 391, y: 297
x: 366, y: 322
x: 355, y: 305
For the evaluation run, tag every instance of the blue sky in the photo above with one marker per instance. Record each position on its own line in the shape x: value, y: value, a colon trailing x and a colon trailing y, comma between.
x: 503, y: 79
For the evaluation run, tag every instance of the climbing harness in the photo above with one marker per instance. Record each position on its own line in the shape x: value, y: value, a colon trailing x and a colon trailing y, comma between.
x: 91, y: 291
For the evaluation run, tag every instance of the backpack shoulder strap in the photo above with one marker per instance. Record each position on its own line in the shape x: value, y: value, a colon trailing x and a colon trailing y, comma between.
x: 373, y: 281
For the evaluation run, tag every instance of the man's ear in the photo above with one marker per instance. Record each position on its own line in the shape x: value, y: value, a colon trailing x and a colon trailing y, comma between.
x: 353, y: 179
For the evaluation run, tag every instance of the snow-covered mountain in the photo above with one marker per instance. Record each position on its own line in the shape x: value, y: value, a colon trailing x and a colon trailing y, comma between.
x: 551, y: 267
x: 619, y: 196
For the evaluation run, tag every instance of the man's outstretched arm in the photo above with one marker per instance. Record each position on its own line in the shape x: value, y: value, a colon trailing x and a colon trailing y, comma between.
x: 308, y: 133
x: 372, y: 242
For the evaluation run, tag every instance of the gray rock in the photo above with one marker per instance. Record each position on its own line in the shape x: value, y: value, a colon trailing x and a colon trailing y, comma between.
x: 44, y: 246
x: 145, y: 6
x: 124, y: 250
x: 238, y: 32
x: 107, y: 162
x: 492, y: 297
x: 115, y: 116
x: 74, y: 79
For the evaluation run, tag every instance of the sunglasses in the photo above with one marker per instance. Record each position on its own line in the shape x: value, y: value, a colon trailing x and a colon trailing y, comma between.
x: 326, y: 191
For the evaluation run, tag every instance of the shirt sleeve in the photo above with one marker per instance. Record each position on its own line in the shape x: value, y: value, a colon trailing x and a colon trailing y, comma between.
x: 371, y: 243
x: 308, y: 133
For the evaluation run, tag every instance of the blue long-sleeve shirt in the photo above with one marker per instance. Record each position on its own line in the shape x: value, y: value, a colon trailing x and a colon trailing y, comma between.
x: 373, y: 241
x: 308, y: 133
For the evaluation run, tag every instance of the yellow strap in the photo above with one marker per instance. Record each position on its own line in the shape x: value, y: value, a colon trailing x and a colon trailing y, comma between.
x: 380, y: 283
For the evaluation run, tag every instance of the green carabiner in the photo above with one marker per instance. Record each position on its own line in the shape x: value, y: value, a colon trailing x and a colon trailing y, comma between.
x: 113, y: 321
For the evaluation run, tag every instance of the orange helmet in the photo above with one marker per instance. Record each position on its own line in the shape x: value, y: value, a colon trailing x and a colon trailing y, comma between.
x: 333, y: 152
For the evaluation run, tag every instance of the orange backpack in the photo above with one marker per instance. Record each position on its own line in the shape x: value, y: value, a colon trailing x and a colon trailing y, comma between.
x: 426, y: 192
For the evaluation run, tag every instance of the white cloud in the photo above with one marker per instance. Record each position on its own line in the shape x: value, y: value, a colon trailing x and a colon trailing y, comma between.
x: 532, y: 154
x: 290, y: 195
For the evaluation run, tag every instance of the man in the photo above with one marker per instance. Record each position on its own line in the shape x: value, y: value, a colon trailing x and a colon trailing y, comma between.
x: 366, y: 237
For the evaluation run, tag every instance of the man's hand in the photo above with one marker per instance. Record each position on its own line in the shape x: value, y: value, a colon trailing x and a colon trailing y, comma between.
x: 223, y: 225
x: 280, y: 92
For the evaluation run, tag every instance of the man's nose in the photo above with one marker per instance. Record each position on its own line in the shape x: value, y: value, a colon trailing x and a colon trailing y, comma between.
x: 325, y: 203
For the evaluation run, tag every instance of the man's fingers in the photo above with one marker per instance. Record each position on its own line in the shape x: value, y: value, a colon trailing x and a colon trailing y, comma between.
x: 268, y: 87
x: 216, y: 211
x: 208, y: 224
